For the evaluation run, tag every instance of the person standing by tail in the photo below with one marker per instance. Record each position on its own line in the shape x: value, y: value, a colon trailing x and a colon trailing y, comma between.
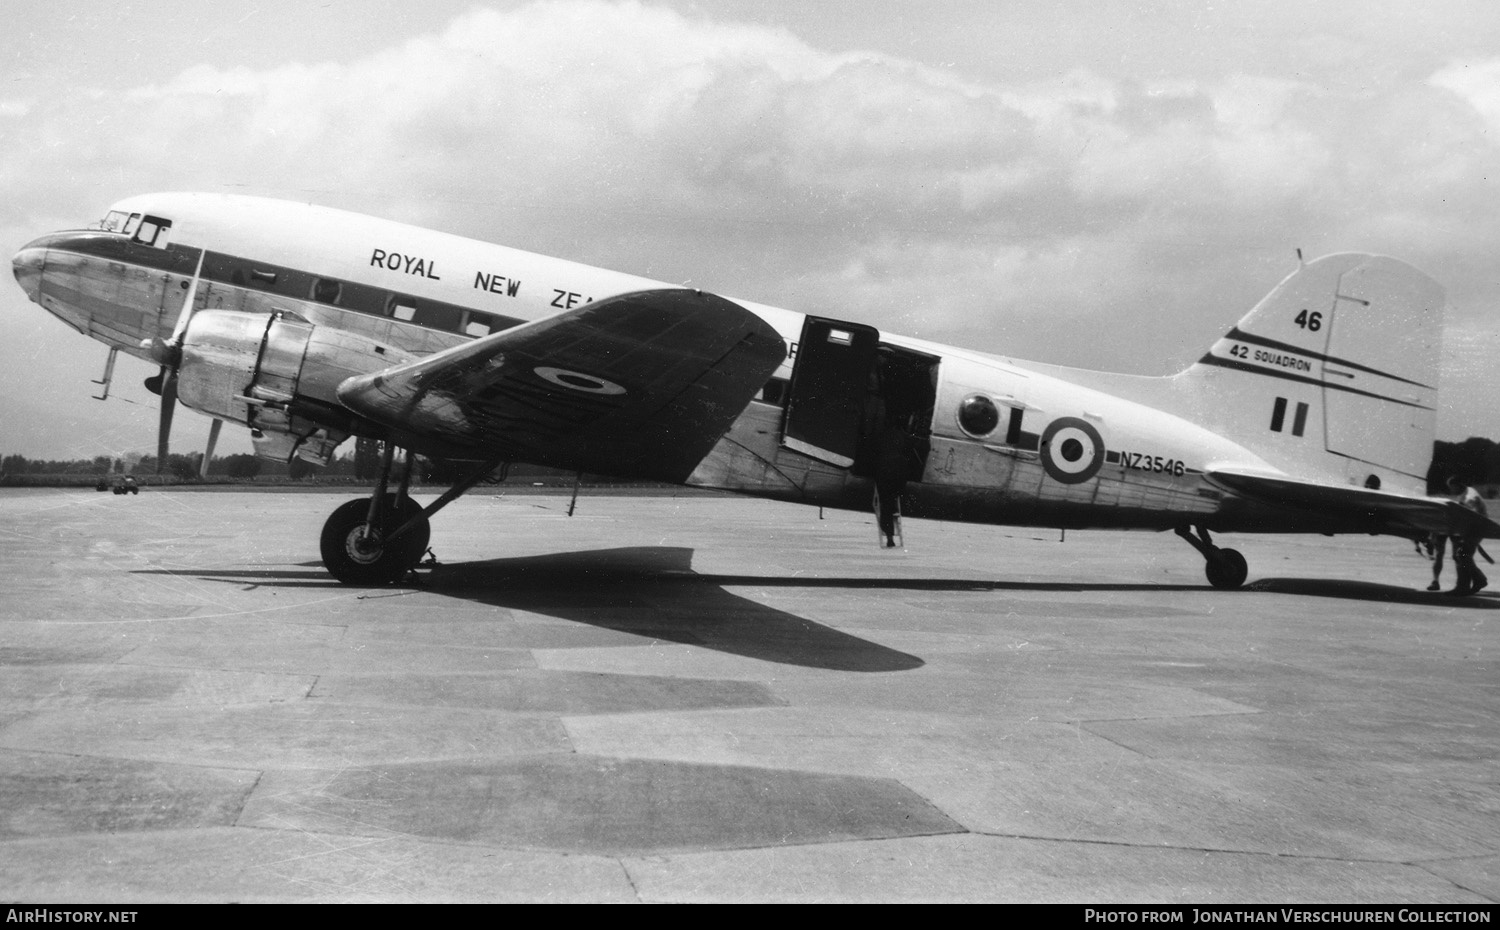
x: 1470, y: 578
x: 1436, y: 545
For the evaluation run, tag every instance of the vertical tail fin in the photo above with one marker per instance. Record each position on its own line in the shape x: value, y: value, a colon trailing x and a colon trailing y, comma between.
x: 1333, y: 376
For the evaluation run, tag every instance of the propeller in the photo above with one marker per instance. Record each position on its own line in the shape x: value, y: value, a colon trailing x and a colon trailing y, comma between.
x: 208, y: 453
x: 169, y: 354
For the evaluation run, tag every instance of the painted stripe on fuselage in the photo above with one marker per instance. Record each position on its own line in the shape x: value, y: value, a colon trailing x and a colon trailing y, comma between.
x: 1300, y: 379
x: 1271, y: 372
x: 1240, y: 336
x: 278, y: 280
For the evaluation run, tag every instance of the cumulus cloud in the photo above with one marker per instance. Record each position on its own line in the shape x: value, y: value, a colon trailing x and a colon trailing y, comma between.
x: 1147, y: 213
x: 1477, y: 83
x: 624, y: 106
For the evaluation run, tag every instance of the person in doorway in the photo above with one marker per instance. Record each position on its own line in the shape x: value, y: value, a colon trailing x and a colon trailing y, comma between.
x: 886, y: 449
x: 891, y: 457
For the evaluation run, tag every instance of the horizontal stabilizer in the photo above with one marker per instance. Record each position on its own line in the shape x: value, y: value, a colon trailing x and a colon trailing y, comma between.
x: 1374, y: 511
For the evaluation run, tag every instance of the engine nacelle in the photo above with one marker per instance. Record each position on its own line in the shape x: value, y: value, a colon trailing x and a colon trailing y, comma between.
x: 273, y: 371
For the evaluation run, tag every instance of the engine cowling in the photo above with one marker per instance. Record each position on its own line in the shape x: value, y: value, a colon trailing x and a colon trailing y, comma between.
x: 270, y: 371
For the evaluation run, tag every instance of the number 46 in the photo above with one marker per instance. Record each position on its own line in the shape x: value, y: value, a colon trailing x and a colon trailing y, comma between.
x: 1311, y: 321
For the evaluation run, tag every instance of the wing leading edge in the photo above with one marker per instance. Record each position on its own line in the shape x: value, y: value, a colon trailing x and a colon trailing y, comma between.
x: 640, y: 385
x: 1375, y: 511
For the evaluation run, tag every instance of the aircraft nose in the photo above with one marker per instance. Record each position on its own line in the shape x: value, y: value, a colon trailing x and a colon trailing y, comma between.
x: 27, y: 266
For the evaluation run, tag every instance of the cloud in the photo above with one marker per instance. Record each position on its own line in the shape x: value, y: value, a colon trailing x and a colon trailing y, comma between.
x: 1476, y: 83
x: 1147, y: 213
x: 622, y: 107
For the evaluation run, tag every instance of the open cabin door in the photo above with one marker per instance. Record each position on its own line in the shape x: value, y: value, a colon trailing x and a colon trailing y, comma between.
x: 830, y: 381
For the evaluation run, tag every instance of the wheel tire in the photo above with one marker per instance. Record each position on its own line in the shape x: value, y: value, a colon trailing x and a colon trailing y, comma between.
x: 1227, y: 569
x: 372, y: 562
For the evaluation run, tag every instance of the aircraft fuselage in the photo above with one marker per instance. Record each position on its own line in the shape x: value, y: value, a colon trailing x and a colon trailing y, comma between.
x: 293, y: 298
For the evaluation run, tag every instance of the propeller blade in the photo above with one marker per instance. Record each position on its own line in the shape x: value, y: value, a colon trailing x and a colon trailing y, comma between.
x: 168, y: 407
x: 187, y: 306
x: 213, y: 440
x: 170, y: 355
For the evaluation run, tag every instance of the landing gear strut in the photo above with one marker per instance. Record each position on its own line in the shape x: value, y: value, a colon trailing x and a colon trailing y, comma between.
x: 1225, y: 568
x: 379, y: 540
x: 376, y: 541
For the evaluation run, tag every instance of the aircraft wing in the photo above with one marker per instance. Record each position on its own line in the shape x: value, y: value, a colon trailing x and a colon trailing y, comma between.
x: 1382, y: 511
x: 640, y: 385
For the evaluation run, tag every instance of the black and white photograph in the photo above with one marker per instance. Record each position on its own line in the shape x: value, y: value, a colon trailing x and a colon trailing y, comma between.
x: 752, y: 451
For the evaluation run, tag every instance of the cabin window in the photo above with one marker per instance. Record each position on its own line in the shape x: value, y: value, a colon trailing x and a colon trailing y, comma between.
x: 427, y: 314
x: 154, y: 231
x: 438, y: 316
x: 978, y: 415
x: 774, y: 392
x: 326, y: 290
x: 479, y: 324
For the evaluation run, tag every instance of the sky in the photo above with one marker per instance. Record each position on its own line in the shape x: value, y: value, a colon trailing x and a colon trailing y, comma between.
x: 1107, y: 186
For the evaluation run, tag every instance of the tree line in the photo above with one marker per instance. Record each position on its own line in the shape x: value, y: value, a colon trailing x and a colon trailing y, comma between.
x: 184, y: 466
x: 1474, y: 461
x: 361, y: 463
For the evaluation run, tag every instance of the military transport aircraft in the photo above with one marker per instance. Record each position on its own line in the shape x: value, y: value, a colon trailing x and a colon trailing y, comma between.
x: 1314, y: 414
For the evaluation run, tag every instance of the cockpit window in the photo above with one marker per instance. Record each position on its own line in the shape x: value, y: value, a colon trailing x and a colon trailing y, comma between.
x: 154, y: 231
x: 113, y: 221
x: 130, y: 224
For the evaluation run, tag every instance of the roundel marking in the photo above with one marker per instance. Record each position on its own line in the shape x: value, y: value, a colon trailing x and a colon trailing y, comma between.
x: 577, y: 381
x: 1072, y: 450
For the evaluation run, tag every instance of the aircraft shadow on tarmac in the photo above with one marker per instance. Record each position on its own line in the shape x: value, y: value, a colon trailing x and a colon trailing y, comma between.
x: 1370, y: 591
x: 653, y: 592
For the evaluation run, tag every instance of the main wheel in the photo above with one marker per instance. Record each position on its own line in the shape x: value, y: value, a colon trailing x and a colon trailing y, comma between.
x: 354, y: 557
x: 1226, y: 569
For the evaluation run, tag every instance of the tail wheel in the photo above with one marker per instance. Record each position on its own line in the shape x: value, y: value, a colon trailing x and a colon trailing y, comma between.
x: 1226, y: 568
x: 357, y: 557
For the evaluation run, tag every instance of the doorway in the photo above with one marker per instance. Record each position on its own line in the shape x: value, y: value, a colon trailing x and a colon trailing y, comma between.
x: 847, y: 386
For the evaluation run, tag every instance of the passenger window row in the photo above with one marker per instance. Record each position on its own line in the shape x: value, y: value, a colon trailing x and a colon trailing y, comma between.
x: 349, y: 295
x: 155, y: 232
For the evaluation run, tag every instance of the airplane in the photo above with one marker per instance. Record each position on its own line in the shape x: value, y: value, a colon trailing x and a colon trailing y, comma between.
x: 1315, y: 413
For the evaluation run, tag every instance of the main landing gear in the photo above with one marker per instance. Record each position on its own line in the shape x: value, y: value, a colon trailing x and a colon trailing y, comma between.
x: 379, y: 540
x: 369, y: 542
x: 1225, y: 568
